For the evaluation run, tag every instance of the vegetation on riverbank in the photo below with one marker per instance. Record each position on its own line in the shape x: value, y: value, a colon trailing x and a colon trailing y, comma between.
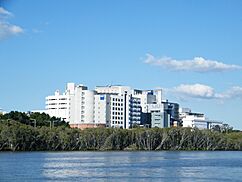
x: 24, y: 136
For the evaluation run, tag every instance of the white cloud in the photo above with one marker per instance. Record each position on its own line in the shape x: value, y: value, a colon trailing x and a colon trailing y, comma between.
x: 7, y: 29
x: 205, y: 92
x: 197, y: 64
x: 196, y: 91
x: 4, y: 12
x: 234, y: 92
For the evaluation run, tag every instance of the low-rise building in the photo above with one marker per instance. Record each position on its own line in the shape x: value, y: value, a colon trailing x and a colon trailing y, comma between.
x: 196, y: 120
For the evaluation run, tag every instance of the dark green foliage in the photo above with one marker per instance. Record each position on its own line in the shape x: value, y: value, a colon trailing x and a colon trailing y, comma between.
x: 16, y: 136
x: 40, y: 119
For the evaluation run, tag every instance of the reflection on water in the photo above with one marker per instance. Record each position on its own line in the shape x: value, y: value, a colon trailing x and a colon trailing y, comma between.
x: 121, y: 166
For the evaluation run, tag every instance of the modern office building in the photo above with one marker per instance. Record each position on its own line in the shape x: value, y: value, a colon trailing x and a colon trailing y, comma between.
x: 123, y: 110
x: 121, y: 107
x: 196, y: 120
x: 106, y: 106
x: 155, y: 111
x: 82, y: 107
x: 75, y: 105
x: 171, y: 109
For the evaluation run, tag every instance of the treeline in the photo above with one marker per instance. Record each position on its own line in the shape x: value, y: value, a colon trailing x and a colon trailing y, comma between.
x: 34, y: 119
x: 16, y: 136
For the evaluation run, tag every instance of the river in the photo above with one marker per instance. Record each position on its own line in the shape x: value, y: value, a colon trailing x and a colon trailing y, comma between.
x: 121, y: 166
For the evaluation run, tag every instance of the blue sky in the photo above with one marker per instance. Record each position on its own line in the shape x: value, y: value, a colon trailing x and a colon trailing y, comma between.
x: 191, y: 49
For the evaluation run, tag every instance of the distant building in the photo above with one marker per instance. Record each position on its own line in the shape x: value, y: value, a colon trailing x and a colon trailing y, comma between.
x: 155, y: 111
x: 106, y: 106
x: 123, y: 110
x: 196, y: 120
x: 121, y: 107
x: 160, y: 120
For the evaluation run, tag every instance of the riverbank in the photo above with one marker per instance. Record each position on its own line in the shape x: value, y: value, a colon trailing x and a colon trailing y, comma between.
x: 15, y: 136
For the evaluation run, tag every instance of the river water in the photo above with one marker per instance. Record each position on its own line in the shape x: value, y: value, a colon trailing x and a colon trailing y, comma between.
x: 121, y: 166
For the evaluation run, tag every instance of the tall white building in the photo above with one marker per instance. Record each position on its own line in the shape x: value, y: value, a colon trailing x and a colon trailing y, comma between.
x: 75, y: 105
x: 121, y: 108
x: 102, y: 109
x: 110, y: 106
x: 82, y: 107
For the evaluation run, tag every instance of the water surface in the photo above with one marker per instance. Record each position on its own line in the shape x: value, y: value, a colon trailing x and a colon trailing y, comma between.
x: 121, y: 166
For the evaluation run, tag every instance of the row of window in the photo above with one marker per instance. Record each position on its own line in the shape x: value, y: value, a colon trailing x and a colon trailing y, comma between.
x: 117, y: 113
x: 52, y: 108
x: 57, y: 99
x: 118, y: 100
x: 117, y: 109
x: 57, y: 104
x: 117, y: 117
x: 117, y: 104
x: 117, y: 122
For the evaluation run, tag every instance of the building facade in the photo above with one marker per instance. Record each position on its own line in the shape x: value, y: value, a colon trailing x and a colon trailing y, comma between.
x: 58, y: 105
x: 196, y: 120
x: 123, y: 108
x: 106, y: 106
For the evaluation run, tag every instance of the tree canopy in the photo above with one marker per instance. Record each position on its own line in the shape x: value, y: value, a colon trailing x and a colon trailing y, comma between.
x: 17, y: 133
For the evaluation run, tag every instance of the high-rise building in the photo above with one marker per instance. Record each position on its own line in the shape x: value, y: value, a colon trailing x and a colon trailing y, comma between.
x: 111, y: 106
x: 75, y: 105
x: 123, y: 108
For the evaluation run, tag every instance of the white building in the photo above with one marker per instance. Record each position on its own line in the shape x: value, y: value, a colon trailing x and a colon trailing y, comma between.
x: 110, y: 106
x: 148, y: 98
x: 196, y: 120
x: 82, y: 107
x: 75, y: 105
x: 102, y: 109
x: 121, y: 108
x: 58, y: 105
